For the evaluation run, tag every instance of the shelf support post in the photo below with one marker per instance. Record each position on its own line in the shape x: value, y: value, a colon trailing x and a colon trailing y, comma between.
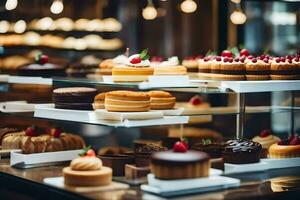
x: 240, y: 101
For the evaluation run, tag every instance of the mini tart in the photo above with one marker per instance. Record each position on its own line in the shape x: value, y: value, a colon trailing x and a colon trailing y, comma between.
x: 127, y: 101
x: 161, y: 100
x: 169, y: 165
x: 170, y: 70
x: 259, y: 70
x: 283, y: 71
x: 105, y: 67
x: 99, y: 101
x: 284, y: 151
x: 87, y: 171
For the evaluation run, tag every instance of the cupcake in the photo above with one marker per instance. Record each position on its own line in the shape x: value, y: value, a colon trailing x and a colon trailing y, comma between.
x: 289, y: 148
x: 258, y: 69
x: 283, y: 69
x: 180, y: 163
x: 136, y: 69
x: 170, y: 67
x: 87, y: 170
x: 127, y: 101
x: 161, y: 100
x: 266, y: 139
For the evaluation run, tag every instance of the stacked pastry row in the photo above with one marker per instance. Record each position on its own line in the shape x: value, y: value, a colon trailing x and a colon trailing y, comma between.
x: 34, y: 140
x: 250, y: 68
x: 129, y: 101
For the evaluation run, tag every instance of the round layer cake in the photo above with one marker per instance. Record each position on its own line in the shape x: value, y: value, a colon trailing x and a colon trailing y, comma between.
x: 161, y: 100
x: 79, y: 98
x: 127, y: 101
x: 87, y: 171
x: 170, y: 165
x: 241, y: 151
x: 99, y: 101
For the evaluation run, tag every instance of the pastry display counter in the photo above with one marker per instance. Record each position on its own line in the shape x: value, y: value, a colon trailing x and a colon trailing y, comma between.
x: 274, y: 184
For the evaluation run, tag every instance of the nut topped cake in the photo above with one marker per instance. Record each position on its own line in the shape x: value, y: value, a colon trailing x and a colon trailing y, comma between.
x: 241, y: 151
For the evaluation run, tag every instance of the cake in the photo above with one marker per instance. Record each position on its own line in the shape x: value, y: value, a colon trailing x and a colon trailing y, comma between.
x: 191, y: 63
x: 266, y: 139
x: 105, y: 67
x: 283, y: 69
x: 240, y: 151
x: 127, y: 101
x: 161, y: 100
x: 288, y: 148
x: 205, y: 66
x: 170, y: 67
x: 34, y: 140
x: 180, y: 163
x: 77, y: 98
x: 99, y: 101
x: 213, y: 149
x: 258, y: 69
x: 87, y: 170
x: 133, y: 172
x: 117, y: 162
x: 83, y: 67
x: 143, y: 152
x: 228, y: 69
x: 42, y: 67
x: 136, y: 69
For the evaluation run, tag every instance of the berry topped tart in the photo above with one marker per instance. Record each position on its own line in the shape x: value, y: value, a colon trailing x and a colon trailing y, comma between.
x: 135, y: 69
x: 191, y: 62
x: 180, y: 163
x: 287, y: 148
x: 87, y: 170
x: 42, y: 67
x: 266, y: 139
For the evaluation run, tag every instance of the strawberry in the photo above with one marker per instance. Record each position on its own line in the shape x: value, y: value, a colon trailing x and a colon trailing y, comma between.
x: 244, y: 52
x: 180, y: 147
x: 283, y: 142
x: 195, y: 100
x: 136, y: 60
x: 290, y: 138
x: 265, y: 133
x: 295, y: 141
x: 31, y: 131
x: 90, y: 153
x: 56, y: 132
x: 227, y: 53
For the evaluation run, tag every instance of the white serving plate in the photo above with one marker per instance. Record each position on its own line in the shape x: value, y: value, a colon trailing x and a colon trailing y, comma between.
x: 20, y: 160
x: 4, y: 78
x: 103, y: 114
x: 30, y: 80
x: 17, y: 106
x: 59, y: 182
x: 168, y: 188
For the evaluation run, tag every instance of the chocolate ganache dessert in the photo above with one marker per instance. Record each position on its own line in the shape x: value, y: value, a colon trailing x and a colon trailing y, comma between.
x: 241, y: 151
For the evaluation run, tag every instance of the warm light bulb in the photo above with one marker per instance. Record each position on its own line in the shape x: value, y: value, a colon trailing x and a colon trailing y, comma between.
x: 4, y: 26
x: 57, y: 7
x: 188, y: 6
x: 238, y: 17
x: 236, y: 1
x: 149, y: 13
x: 11, y: 4
x: 20, y: 26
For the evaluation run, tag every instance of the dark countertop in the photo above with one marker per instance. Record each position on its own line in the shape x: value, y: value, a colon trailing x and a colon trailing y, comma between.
x: 28, y: 184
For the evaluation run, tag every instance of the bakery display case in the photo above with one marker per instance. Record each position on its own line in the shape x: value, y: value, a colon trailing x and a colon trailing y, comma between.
x: 88, y: 115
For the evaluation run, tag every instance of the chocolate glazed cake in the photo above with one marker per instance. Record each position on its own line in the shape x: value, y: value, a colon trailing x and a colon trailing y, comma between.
x: 241, y: 151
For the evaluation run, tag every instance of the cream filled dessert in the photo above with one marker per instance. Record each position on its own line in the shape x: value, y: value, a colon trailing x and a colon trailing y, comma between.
x: 87, y: 170
x: 127, y: 101
x: 170, y: 67
x: 135, y: 69
x: 266, y: 139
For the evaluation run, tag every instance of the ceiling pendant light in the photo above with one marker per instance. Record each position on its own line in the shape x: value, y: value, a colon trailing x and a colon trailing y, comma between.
x: 188, y: 6
x: 57, y: 7
x: 238, y: 17
x: 11, y: 4
x: 149, y: 13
